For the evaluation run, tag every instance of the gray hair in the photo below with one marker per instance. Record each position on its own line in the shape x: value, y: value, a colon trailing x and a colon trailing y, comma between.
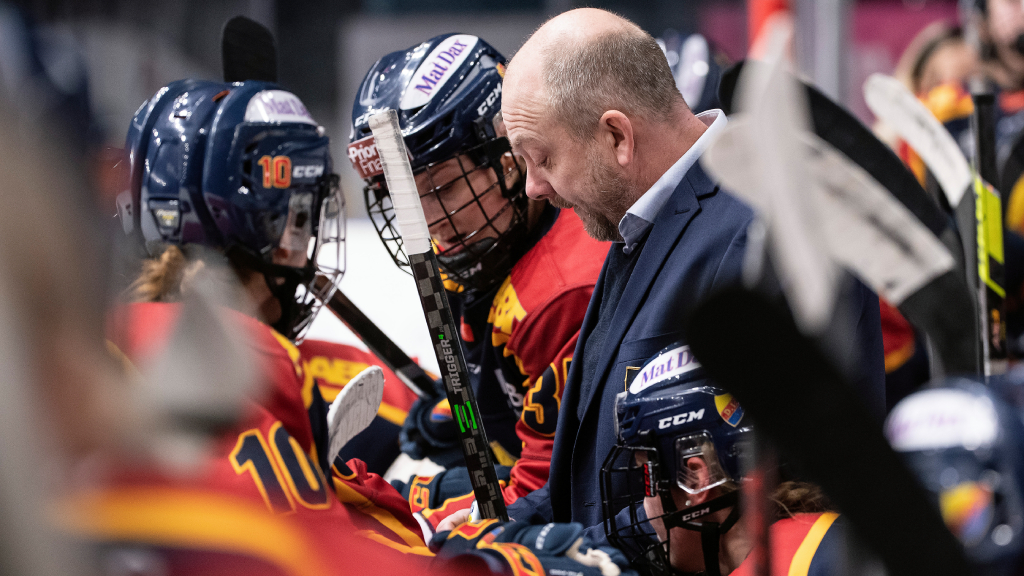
x: 623, y: 70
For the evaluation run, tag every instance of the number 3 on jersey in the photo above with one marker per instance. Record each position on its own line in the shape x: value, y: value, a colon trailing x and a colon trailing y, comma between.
x: 281, y: 470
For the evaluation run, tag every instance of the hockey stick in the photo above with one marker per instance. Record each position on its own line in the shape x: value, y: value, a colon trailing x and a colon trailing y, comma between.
x: 978, y: 214
x: 988, y: 219
x: 248, y: 51
x: 944, y: 308
x: 859, y: 178
x: 443, y: 330
x: 408, y: 371
x: 797, y: 398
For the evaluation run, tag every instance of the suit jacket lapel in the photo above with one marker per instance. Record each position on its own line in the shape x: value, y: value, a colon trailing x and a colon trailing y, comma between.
x: 664, y: 235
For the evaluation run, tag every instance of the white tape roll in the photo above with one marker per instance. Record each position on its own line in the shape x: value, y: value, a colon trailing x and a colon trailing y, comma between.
x: 412, y: 224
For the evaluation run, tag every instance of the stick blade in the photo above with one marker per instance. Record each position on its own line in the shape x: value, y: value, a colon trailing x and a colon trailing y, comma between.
x: 248, y: 51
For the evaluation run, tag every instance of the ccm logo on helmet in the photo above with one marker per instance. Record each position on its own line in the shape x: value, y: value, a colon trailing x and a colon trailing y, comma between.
x: 311, y: 171
x: 695, y: 515
x: 680, y: 419
x: 491, y: 99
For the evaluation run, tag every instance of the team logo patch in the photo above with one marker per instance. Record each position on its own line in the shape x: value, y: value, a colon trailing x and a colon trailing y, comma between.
x: 670, y: 364
x: 729, y: 409
x: 437, y: 69
x: 501, y: 69
x: 441, y: 411
x: 967, y: 510
x: 277, y: 106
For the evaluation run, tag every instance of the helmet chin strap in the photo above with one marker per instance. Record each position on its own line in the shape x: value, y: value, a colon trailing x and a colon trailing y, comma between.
x: 710, y: 532
x: 284, y: 292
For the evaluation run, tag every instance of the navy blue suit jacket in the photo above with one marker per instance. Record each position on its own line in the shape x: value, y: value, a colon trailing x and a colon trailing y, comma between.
x: 695, y: 246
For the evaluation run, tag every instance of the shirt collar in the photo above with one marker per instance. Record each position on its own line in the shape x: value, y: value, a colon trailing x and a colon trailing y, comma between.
x: 640, y: 216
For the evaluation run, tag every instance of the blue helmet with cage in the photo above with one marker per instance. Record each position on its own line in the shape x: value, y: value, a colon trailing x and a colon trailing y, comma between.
x: 966, y: 446
x: 244, y: 169
x: 447, y: 92
x: 670, y: 413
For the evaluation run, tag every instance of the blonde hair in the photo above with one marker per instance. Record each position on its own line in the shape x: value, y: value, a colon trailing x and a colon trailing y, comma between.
x: 164, y: 278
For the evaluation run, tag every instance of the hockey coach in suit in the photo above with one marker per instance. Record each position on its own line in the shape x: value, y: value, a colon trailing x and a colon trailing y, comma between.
x: 590, y: 104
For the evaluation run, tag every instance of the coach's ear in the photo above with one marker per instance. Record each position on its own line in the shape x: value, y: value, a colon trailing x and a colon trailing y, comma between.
x: 615, y: 131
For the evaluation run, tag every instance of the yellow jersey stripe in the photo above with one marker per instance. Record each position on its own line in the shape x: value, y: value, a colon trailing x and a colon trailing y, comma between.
x: 805, y: 553
x: 186, y: 519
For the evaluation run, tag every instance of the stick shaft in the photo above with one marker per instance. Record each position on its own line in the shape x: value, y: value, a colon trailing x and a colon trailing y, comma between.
x: 988, y: 218
x: 444, y: 332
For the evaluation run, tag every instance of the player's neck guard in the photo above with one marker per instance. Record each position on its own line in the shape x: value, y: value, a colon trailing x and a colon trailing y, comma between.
x: 297, y: 308
x: 710, y: 532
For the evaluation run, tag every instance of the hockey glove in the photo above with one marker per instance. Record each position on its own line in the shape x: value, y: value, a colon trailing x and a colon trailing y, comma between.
x: 430, y: 432
x: 516, y: 548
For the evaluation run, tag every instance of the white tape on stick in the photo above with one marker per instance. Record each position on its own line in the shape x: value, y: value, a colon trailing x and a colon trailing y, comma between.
x: 401, y: 184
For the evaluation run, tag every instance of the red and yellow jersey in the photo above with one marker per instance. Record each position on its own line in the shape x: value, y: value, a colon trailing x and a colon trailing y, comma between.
x: 534, y: 321
x: 268, y: 461
x: 519, y: 342
x: 804, y: 545
x: 332, y: 365
x: 189, y: 527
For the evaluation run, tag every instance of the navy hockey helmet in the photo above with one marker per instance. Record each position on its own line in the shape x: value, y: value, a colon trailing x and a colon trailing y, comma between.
x: 447, y: 92
x: 966, y: 445
x: 244, y: 169
x: 669, y: 413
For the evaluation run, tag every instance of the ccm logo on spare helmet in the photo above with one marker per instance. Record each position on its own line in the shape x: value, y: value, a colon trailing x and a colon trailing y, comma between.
x: 680, y: 419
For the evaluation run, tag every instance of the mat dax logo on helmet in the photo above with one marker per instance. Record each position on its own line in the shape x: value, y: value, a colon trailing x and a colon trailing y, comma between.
x: 681, y: 418
x: 667, y: 365
x: 437, y: 68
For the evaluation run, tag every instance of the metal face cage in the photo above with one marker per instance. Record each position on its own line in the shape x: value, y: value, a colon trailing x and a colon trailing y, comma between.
x: 480, y: 255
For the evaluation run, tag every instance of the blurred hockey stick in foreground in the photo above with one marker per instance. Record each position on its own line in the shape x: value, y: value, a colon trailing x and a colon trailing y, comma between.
x: 975, y: 204
x: 444, y: 333
x: 821, y: 212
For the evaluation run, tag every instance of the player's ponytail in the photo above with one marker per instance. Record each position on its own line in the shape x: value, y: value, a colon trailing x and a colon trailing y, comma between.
x: 163, y: 277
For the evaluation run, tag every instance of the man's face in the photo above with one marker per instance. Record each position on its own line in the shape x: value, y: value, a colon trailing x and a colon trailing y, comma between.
x: 566, y: 172
x: 1005, y: 24
x: 684, y: 545
x: 463, y: 203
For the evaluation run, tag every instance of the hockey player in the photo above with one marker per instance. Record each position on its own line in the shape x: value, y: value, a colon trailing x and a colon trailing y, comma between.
x: 241, y: 173
x: 966, y: 445
x: 520, y: 272
x: 672, y: 484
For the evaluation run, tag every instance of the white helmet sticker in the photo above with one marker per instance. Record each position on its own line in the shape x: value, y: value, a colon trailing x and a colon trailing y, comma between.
x: 437, y: 68
x: 670, y: 364
x: 942, y: 419
x: 277, y: 106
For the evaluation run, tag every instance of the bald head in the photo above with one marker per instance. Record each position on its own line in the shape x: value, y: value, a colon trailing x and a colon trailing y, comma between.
x: 586, y: 61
